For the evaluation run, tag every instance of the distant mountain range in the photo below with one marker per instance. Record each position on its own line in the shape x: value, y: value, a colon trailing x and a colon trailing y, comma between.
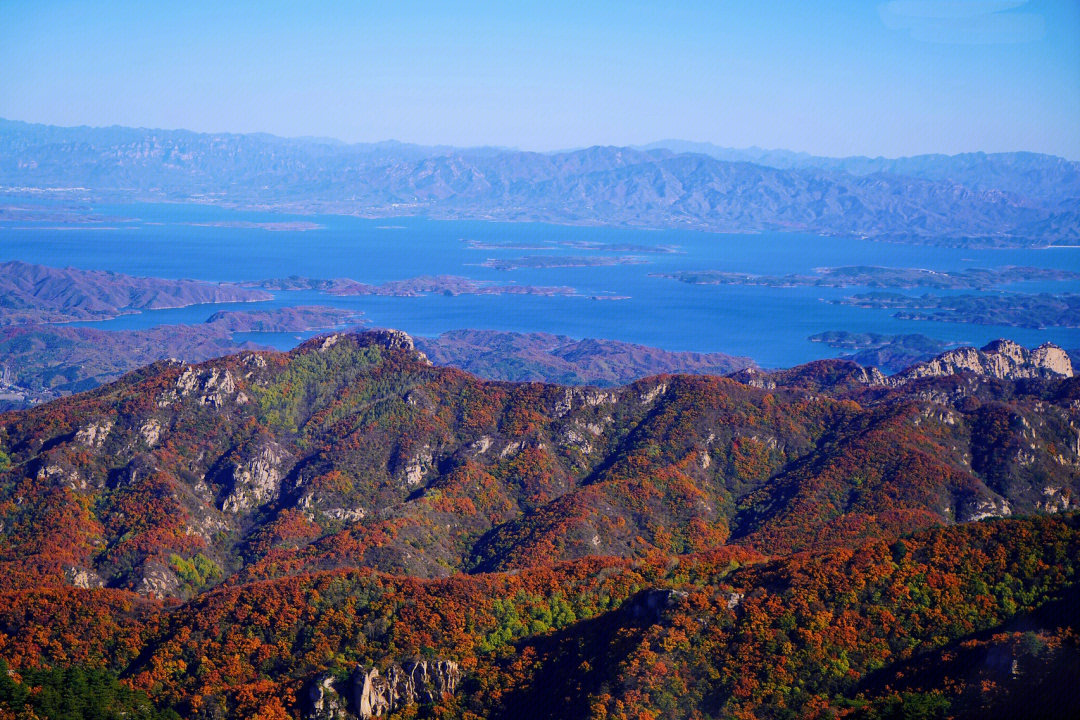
x: 1006, y: 199
x: 1051, y: 178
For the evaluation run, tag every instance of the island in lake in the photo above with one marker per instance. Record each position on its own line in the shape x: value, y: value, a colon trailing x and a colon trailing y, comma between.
x: 1025, y: 310
x: 876, y: 276
x: 575, y: 244
x: 558, y: 261
x: 558, y: 358
x: 36, y: 294
x: 889, y: 353
x: 299, y: 318
x: 411, y: 287
x: 283, y: 226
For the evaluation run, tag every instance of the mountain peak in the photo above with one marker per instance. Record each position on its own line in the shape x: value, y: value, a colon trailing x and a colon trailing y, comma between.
x: 386, y: 338
x: 1002, y: 359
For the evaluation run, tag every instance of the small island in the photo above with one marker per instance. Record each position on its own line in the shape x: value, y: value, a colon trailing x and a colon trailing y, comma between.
x: 1036, y: 311
x: 888, y: 353
x: 533, y: 262
x: 283, y: 226
x: 575, y: 244
x: 885, y: 277
x: 39, y: 294
x: 411, y: 287
x: 299, y: 318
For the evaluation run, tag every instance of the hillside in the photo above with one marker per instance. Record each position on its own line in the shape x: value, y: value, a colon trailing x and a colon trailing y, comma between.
x: 40, y: 362
x: 36, y: 293
x: 359, y: 441
x: 1000, y: 202
x: 251, y: 534
x: 550, y: 358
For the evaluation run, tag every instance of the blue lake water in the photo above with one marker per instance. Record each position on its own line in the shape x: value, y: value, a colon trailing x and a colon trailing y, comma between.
x: 770, y: 325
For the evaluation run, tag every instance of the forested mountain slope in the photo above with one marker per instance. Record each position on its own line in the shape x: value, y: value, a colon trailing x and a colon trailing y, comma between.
x: 236, y: 537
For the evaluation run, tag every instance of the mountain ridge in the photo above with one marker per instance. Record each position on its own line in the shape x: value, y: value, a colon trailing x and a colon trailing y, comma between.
x: 574, y: 451
x: 267, y: 534
x: 597, y: 185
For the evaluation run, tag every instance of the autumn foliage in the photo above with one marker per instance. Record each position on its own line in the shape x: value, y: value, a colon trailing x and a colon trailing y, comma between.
x: 212, y: 539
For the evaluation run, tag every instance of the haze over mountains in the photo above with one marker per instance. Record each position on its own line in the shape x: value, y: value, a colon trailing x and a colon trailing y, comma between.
x: 1021, y: 173
x: 1009, y: 199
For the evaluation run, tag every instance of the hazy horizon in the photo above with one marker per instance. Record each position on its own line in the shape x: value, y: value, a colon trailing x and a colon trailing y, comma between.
x: 512, y: 148
x: 845, y: 78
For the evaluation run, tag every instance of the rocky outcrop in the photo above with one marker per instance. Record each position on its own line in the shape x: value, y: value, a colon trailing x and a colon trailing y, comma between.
x: 754, y: 377
x: 1055, y: 499
x: 389, y: 339
x: 208, y: 385
x: 418, y: 466
x: 94, y: 434
x: 983, y: 507
x: 647, y: 396
x: 348, y: 515
x: 158, y: 580
x: 83, y: 577
x: 1053, y: 359
x: 325, y: 702
x: 367, y: 693
x: 416, y: 681
x: 150, y: 432
x: 384, y: 338
x: 1001, y: 359
x: 256, y: 479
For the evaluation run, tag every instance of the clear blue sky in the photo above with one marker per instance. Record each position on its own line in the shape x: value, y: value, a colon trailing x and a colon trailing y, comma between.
x: 834, y: 78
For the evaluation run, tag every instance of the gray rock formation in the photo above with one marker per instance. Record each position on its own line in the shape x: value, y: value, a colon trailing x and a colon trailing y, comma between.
x: 150, y: 432
x: 390, y: 339
x: 158, y: 580
x: 416, y: 681
x: 256, y: 480
x: 980, y: 508
x: 386, y: 338
x: 95, y: 434
x: 1052, y: 358
x: 83, y: 577
x: 324, y: 702
x: 209, y: 386
x: 1001, y: 359
x: 367, y: 693
x: 755, y: 377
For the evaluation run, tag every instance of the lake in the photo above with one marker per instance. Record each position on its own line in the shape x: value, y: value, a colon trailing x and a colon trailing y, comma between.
x: 771, y: 325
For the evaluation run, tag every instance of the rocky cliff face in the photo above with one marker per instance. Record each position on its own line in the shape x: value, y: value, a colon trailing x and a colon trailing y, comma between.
x: 256, y: 479
x: 1001, y: 359
x: 367, y: 693
x: 325, y: 702
x: 352, y: 449
x: 417, y: 681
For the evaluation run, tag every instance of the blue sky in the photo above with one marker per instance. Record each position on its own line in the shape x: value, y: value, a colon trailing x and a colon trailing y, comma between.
x: 834, y: 78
